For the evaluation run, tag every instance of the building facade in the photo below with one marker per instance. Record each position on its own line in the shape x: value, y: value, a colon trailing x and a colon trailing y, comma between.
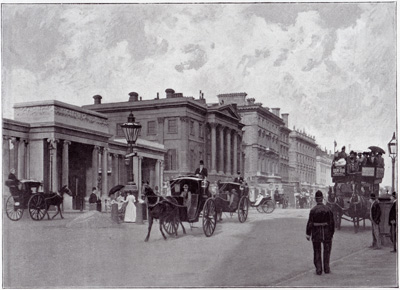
x: 302, y: 160
x: 190, y: 129
x: 265, y: 143
x: 323, y: 169
x: 61, y: 144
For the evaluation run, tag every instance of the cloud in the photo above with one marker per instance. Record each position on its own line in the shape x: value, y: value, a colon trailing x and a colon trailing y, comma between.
x: 331, y: 66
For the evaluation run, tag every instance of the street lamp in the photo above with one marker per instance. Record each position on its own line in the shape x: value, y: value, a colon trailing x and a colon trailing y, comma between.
x: 392, y: 145
x: 131, y: 131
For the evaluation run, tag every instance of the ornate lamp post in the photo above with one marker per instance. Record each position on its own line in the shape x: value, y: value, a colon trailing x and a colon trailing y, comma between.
x: 131, y: 131
x: 392, y: 145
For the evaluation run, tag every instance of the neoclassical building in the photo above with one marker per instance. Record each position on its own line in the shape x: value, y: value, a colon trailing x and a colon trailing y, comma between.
x: 323, y: 169
x: 302, y: 160
x: 265, y: 142
x: 190, y: 129
x: 61, y: 144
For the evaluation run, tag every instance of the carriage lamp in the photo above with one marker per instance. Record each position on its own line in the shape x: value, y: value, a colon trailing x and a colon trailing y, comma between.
x: 392, y: 146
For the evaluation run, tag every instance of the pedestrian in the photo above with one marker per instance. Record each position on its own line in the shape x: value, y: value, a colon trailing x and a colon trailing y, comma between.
x: 130, y: 210
x: 320, y: 228
x: 393, y: 222
x: 375, y: 214
x: 201, y: 171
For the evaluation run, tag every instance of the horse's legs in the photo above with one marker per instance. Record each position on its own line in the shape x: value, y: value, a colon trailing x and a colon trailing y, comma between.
x: 47, y: 211
x: 183, y: 228
x: 149, y: 229
x: 161, y: 224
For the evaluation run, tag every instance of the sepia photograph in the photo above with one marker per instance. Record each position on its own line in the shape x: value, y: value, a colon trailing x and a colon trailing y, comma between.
x: 199, y: 144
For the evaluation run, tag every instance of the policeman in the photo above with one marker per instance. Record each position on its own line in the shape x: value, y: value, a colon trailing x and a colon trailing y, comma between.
x: 321, y: 227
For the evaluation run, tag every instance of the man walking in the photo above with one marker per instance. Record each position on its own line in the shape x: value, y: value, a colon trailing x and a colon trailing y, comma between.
x: 375, y: 220
x: 320, y: 228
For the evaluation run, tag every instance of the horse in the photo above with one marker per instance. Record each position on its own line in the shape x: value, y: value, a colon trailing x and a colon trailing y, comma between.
x: 336, y: 204
x: 162, y: 209
x: 358, y: 210
x: 56, y: 199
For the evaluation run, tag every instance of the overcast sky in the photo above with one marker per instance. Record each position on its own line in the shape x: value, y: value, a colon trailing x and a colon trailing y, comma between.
x: 331, y: 66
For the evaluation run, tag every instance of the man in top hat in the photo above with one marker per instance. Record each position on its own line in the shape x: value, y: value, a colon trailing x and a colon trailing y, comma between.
x: 393, y: 221
x: 238, y: 178
x: 375, y: 214
x: 342, y: 154
x: 320, y: 228
x: 201, y: 171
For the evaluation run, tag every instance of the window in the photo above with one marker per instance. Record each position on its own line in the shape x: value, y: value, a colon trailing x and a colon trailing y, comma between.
x: 172, y: 127
x: 151, y: 127
x: 191, y: 127
x: 119, y: 132
x: 201, y: 133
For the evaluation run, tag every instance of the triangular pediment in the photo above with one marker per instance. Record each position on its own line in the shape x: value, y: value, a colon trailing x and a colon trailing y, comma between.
x: 229, y: 111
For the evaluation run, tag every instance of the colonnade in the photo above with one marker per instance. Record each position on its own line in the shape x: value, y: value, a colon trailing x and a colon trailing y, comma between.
x: 225, y: 156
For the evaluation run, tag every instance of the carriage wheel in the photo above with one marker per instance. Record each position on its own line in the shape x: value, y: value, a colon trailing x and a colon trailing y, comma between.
x: 170, y: 224
x: 37, y: 207
x: 243, y: 209
x: 259, y: 207
x: 268, y: 206
x: 209, y: 217
x: 14, y: 212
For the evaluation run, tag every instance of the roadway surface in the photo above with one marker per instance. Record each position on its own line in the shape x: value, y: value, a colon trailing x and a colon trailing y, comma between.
x: 87, y: 250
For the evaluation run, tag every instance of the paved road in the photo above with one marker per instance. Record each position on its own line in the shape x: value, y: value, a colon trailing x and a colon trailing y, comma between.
x: 267, y: 250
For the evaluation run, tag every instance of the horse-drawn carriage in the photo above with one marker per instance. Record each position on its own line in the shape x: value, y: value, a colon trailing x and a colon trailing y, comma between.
x: 175, y: 209
x: 28, y: 194
x: 234, y: 196
x: 351, y: 192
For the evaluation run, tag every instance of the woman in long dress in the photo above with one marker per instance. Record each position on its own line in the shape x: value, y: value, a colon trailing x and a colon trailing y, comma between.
x: 130, y: 210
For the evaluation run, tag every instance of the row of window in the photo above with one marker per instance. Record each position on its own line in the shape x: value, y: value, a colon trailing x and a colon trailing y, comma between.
x: 172, y: 128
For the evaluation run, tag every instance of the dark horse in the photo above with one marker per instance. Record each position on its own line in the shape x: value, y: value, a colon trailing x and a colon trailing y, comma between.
x: 358, y: 210
x: 336, y: 204
x: 163, y: 209
x: 56, y: 199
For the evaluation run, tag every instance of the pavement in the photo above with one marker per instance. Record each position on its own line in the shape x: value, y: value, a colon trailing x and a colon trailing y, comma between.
x: 265, y: 251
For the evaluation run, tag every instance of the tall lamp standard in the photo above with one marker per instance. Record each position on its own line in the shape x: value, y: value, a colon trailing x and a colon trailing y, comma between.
x: 131, y: 131
x: 392, y: 145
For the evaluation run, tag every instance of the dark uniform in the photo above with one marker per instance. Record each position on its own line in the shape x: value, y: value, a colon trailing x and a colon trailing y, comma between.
x: 392, y: 224
x: 321, y: 227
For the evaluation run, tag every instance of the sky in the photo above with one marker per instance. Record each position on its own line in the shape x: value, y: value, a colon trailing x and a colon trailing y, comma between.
x: 331, y: 66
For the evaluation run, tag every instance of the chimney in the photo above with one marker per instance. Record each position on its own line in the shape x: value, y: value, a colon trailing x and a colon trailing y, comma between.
x: 285, y: 118
x: 133, y: 97
x: 158, y: 96
x: 276, y: 111
x: 170, y: 93
x: 97, y: 99
x: 200, y: 95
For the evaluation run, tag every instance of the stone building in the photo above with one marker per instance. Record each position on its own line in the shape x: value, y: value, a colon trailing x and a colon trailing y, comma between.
x: 265, y: 143
x: 323, y: 169
x: 190, y: 129
x: 61, y: 144
x: 302, y: 160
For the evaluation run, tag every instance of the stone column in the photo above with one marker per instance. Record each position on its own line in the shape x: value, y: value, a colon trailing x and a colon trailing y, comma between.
x: 14, y: 160
x: 228, y: 153
x: 157, y: 175
x: 161, y: 175
x: 235, y: 155
x: 67, y: 203
x: 213, y: 148
x: 21, y: 160
x: 221, y: 151
x: 6, y: 165
x: 54, y: 187
x: 240, y: 164
x: 115, y: 172
x: 104, y: 179
x: 95, y: 166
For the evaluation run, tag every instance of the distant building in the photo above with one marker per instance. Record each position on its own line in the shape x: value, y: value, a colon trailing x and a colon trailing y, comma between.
x: 302, y: 160
x: 190, y: 129
x: 323, y: 169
